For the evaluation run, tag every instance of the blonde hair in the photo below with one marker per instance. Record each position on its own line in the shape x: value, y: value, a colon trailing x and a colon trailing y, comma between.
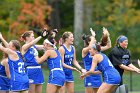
x: 66, y: 35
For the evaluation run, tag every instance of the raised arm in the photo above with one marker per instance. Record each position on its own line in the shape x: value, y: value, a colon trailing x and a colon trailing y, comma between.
x: 5, y: 50
x: 86, y: 49
x: 4, y: 41
x: 12, y: 54
x: 107, y: 42
x: 26, y: 46
x: 40, y: 47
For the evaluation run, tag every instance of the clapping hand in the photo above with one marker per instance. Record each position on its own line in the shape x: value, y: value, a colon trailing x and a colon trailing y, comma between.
x: 83, y: 75
x: 92, y: 32
x: 45, y: 33
x: 77, y: 70
x: 105, y: 31
x: 83, y: 70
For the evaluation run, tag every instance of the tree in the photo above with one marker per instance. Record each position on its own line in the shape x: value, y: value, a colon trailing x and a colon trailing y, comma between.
x: 88, y: 15
x: 7, y: 7
x: 119, y: 16
x: 31, y: 15
x: 78, y: 22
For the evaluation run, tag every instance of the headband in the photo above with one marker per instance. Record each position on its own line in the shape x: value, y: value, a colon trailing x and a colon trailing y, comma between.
x: 122, y: 38
x: 48, y: 42
x: 94, y: 46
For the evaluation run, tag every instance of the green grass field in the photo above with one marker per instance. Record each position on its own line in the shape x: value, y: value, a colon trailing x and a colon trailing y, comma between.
x: 79, y: 84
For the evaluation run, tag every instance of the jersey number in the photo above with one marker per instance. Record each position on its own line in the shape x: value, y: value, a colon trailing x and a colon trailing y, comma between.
x: 110, y: 64
x: 70, y: 60
x: 21, y: 67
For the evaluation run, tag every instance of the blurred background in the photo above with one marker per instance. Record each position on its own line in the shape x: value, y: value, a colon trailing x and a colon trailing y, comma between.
x: 118, y: 16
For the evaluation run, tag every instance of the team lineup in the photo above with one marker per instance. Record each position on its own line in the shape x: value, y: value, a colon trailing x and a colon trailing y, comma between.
x: 21, y: 72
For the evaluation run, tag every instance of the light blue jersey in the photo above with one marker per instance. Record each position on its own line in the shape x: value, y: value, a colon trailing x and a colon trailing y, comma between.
x: 19, y: 79
x: 111, y: 75
x: 33, y: 69
x: 57, y: 76
x: 4, y: 81
x: 68, y: 59
x: 93, y: 80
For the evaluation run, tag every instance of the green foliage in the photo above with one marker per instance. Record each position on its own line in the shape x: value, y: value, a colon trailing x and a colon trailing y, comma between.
x: 119, y: 16
x: 67, y: 13
x: 7, y: 10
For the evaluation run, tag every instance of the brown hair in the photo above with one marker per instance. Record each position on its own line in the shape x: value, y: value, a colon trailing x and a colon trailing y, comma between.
x: 97, y: 47
x: 65, y: 35
x: 86, y: 39
x: 25, y: 34
x: 104, y: 40
x: 16, y: 44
